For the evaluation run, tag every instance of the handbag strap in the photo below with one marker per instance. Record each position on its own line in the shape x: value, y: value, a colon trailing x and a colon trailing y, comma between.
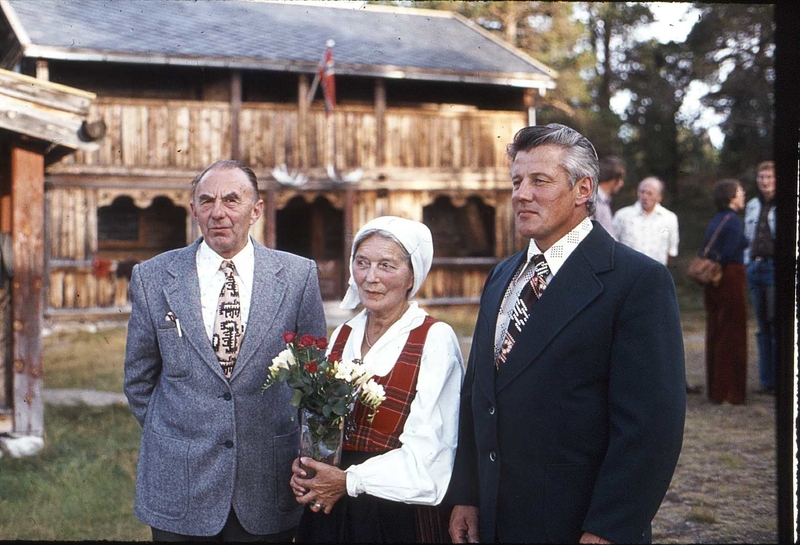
x: 714, y: 236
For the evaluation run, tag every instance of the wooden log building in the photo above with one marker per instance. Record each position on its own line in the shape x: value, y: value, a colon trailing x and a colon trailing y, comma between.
x: 40, y: 122
x: 426, y: 103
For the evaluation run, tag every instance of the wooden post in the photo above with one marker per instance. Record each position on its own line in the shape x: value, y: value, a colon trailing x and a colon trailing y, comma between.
x: 27, y: 229
x: 270, y: 211
x: 302, y: 120
x: 349, y: 199
x: 380, y: 122
x: 529, y: 98
x: 236, y: 110
x: 42, y: 70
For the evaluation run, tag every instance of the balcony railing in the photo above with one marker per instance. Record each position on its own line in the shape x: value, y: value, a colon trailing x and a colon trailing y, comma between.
x: 191, y: 134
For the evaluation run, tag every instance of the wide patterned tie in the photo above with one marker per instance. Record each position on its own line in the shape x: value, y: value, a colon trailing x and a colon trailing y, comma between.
x: 535, y: 285
x: 228, y: 328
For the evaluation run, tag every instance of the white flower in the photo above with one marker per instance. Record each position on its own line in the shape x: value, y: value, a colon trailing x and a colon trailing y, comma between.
x: 284, y: 360
x: 348, y: 370
x: 372, y: 394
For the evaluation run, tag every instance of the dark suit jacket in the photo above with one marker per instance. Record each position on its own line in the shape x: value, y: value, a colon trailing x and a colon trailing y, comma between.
x: 582, y: 426
x: 208, y: 442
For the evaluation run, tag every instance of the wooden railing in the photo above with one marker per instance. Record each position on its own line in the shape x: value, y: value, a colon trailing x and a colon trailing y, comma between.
x: 191, y: 134
x: 74, y: 285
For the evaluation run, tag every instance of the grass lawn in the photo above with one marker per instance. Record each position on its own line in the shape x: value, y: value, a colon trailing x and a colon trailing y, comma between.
x: 84, y: 359
x: 81, y: 486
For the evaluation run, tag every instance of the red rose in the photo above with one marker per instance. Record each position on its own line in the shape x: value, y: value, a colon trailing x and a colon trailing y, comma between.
x: 322, y: 343
x: 306, y: 341
x: 311, y: 366
x: 289, y: 336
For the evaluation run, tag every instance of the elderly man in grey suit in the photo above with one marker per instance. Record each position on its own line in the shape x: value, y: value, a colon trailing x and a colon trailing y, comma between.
x: 206, y: 321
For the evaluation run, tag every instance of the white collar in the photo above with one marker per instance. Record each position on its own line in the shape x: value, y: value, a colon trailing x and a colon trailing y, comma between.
x: 657, y: 210
x: 209, y: 261
x: 558, y: 253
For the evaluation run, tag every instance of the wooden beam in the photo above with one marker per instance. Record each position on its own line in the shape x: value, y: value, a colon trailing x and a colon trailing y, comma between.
x: 302, y: 120
x: 27, y: 229
x: 380, y: 121
x: 236, y: 110
x: 45, y: 93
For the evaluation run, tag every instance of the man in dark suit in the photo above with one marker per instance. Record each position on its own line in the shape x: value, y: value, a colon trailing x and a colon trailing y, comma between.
x: 573, y: 404
x: 206, y: 321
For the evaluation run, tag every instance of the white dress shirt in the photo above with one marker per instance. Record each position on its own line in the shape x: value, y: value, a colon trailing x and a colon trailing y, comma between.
x: 418, y: 472
x: 602, y: 213
x: 654, y: 234
x: 212, y: 279
x: 555, y: 256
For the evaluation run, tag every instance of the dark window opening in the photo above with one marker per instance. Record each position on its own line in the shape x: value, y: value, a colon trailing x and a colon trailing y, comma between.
x: 125, y: 231
x: 315, y: 231
x: 466, y: 231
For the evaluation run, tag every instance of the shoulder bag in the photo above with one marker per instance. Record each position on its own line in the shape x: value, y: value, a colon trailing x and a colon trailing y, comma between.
x: 702, y: 269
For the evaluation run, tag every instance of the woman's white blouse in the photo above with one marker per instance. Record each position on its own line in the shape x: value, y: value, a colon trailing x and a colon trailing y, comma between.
x: 419, y: 471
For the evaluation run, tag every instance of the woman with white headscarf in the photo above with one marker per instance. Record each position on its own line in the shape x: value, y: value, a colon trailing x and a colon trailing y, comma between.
x: 403, y: 459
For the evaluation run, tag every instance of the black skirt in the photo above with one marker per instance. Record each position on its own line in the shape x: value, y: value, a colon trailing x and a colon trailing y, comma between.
x: 367, y: 519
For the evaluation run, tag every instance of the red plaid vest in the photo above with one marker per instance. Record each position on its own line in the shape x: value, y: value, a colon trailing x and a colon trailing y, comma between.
x: 400, y: 386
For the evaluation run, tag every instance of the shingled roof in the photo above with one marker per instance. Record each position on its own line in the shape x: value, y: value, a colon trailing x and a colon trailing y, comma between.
x: 286, y: 36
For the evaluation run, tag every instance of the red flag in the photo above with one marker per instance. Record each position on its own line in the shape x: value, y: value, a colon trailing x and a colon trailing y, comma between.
x: 325, y: 74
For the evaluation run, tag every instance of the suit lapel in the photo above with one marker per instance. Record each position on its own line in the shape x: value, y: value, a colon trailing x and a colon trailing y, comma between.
x: 265, y: 301
x: 183, y: 296
x: 574, y: 287
x: 490, y: 307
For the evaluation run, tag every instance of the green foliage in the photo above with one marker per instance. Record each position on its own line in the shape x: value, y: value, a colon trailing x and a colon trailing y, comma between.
x: 734, y: 49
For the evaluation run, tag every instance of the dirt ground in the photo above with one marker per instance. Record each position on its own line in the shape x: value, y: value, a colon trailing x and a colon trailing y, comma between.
x: 725, y: 486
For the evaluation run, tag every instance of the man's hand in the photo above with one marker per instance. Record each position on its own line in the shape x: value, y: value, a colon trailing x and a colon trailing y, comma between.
x: 464, y: 524
x: 323, y: 490
x: 591, y: 538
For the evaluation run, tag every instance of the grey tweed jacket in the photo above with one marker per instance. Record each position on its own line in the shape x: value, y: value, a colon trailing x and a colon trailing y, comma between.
x: 207, y: 442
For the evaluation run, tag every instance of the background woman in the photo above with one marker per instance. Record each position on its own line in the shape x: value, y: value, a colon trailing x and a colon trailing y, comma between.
x: 404, y: 457
x: 726, y: 311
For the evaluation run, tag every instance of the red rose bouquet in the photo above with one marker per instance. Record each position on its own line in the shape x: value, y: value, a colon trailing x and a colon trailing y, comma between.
x: 325, y: 392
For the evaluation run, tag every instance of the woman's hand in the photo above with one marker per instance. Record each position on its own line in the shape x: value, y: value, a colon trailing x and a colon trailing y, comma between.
x: 323, y: 490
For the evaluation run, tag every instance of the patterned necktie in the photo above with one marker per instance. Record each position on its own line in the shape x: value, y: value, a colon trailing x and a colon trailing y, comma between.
x: 228, y: 328
x: 521, y: 311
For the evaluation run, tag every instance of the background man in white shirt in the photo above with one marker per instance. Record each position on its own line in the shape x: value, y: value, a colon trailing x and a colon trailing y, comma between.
x: 648, y: 227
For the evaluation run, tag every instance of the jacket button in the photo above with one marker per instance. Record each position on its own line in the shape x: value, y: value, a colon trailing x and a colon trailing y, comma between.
x: 229, y: 443
x: 493, y: 456
x: 227, y: 396
x: 491, y: 409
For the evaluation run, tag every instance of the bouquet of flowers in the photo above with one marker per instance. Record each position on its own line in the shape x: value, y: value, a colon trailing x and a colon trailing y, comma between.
x: 325, y: 392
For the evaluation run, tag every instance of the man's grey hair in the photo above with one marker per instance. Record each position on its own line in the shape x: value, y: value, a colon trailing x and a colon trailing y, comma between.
x: 655, y: 180
x: 580, y: 161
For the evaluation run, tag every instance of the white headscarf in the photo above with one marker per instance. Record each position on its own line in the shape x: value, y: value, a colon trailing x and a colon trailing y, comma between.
x: 416, y: 240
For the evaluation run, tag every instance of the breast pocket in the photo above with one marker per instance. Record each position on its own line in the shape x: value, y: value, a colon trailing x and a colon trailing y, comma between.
x: 174, y: 356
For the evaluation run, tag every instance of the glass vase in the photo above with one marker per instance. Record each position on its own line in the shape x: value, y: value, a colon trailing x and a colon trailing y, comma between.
x: 320, y: 439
